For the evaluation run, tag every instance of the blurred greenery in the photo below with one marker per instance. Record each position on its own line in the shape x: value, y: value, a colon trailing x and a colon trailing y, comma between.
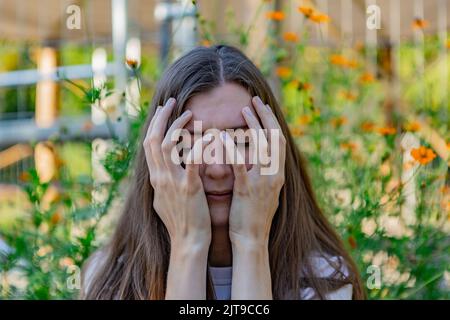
x: 336, y: 110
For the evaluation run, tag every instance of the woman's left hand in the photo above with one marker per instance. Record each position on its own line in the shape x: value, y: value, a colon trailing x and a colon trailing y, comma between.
x: 255, y: 195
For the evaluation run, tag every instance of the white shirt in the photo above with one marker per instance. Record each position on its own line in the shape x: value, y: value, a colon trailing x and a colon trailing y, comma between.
x: 222, y: 278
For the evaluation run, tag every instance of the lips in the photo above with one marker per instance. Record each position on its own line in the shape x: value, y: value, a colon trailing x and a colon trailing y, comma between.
x: 219, y: 195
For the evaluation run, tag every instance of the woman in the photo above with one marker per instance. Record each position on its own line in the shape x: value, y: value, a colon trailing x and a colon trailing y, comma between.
x: 219, y: 230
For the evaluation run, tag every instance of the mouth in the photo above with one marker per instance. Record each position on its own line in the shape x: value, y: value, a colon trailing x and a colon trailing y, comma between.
x: 219, y: 195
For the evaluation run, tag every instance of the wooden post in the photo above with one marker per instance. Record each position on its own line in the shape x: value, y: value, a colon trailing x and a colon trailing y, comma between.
x: 47, y: 101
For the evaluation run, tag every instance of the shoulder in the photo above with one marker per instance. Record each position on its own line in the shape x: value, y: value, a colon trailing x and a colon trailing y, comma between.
x: 326, y: 266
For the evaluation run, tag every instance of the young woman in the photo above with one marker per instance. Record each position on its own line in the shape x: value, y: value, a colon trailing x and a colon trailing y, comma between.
x: 219, y: 230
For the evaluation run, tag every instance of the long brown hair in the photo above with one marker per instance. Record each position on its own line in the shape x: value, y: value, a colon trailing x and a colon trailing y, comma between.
x: 135, y: 263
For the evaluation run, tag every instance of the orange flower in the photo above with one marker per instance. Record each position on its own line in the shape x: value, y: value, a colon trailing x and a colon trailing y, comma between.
x: 423, y: 155
x: 367, y: 126
x: 206, y: 43
x: 307, y: 11
x: 320, y: 18
x: 132, y: 63
x: 342, y: 61
x: 24, y: 176
x: 275, y: 15
x: 299, y: 85
x: 290, y: 37
x: 296, y: 131
x: 338, y: 121
x: 338, y: 60
x: 56, y: 217
x: 351, y: 146
x: 386, y: 130
x: 419, y: 23
x: 366, y: 78
x: 412, y: 126
x: 348, y: 95
x: 283, y: 72
x: 352, y: 64
x: 448, y: 44
x: 304, y: 119
x: 352, y: 242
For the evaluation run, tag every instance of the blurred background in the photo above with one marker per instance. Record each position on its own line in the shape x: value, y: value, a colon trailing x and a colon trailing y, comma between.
x: 363, y: 85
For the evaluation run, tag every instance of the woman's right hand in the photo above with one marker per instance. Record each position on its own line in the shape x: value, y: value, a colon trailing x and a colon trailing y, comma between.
x: 179, y: 197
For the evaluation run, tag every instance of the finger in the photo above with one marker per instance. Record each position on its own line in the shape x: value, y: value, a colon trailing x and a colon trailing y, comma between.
x: 195, y: 156
x: 265, y: 113
x: 272, y: 125
x: 238, y: 165
x: 153, y: 119
x: 156, y: 135
x: 259, y: 138
x: 146, y: 143
x: 171, y: 139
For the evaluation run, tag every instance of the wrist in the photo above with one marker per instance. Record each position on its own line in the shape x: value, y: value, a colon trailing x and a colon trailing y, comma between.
x: 184, y: 248
x: 250, y: 247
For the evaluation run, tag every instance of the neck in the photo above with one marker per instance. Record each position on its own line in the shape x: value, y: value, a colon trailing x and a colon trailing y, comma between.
x: 220, y: 254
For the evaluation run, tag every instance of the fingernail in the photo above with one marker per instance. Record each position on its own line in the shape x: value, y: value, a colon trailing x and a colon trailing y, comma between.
x: 258, y: 99
x: 268, y: 107
x: 170, y: 101
x: 186, y: 113
x: 247, y: 111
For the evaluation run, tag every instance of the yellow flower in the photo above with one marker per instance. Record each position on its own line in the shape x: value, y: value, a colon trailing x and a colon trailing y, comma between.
x: 290, y: 37
x: 283, y: 72
x: 423, y: 155
x: 275, y: 15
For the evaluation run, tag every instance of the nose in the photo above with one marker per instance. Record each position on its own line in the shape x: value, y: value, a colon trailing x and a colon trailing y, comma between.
x: 217, y: 169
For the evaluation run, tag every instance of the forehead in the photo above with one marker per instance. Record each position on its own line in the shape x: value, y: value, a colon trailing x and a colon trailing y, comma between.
x: 219, y: 108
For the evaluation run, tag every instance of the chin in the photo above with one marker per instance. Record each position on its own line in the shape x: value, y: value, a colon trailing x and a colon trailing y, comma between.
x: 219, y: 215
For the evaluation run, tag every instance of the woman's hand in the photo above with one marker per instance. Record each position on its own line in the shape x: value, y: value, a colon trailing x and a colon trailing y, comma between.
x: 180, y: 202
x: 255, y: 201
x: 255, y: 196
x: 179, y: 198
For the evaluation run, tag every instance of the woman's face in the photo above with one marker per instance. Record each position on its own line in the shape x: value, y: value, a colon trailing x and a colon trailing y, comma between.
x: 219, y: 109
